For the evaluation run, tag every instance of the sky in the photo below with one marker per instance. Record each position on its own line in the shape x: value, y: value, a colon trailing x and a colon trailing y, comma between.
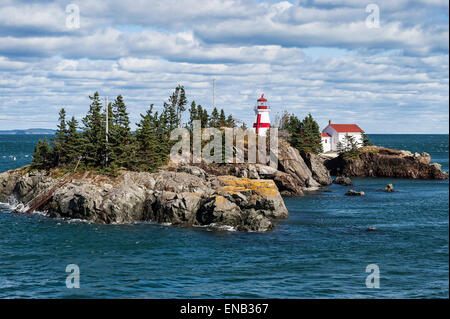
x: 383, y: 65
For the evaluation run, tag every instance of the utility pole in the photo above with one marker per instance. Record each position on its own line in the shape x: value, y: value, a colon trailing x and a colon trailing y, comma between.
x: 107, y: 129
x: 214, y: 89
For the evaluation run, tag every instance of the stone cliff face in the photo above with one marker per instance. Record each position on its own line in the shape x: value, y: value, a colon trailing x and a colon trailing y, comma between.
x: 295, y: 172
x: 383, y: 162
x: 179, y: 198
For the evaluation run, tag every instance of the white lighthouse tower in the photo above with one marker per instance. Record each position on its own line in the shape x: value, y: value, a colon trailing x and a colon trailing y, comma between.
x: 262, y: 117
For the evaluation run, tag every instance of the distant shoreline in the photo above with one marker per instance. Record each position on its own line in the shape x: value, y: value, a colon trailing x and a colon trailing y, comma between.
x: 52, y: 132
x: 32, y: 131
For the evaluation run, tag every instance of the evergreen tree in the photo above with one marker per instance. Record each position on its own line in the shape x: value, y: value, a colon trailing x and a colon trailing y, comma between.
x: 222, y: 118
x: 43, y: 155
x: 293, y: 126
x: 348, y: 148
x: 230, y: 121
x: 174, y: 109
x: 59, y: 141
x: 366, y: 140
x: 74, y: 147
x: 193, y: 115
x: 203, y: 116
x: 120, y: 134
x: 311, y: 140
x: 148, y: 149
x: 304, y: 135
x: 214, y: 120
x: 94, y: 133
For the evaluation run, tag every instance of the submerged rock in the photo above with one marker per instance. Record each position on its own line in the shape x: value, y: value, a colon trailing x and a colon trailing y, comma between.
x: 355, y: 193
x: 343, y: 180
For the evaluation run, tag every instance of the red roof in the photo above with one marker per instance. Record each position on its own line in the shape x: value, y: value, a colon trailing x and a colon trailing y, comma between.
x: 346, y: 128
x: 262, y: 99
x: 325, y: 135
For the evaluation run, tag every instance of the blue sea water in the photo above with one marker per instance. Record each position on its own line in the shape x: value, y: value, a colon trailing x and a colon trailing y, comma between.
x: 321, y: 251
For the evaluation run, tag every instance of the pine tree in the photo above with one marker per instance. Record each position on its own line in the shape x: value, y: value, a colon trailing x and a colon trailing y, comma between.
x: 304, y: 135
x: 214, y: 120
x: 365, y: 140
x: 230, y: 121
x: 60, y: 139
x: 348, y: 148
x: 120, y: 134
x: 311, y: 140
x: 203, y: 116
x: 94, y: 133
x: 43, y: 155
x: 74, y: 146
x: 148, y: 149
x: 222, y: 118
x: 192, y: 115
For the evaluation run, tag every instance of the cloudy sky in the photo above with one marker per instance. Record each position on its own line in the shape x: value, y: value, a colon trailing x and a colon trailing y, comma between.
x: 324, y: 57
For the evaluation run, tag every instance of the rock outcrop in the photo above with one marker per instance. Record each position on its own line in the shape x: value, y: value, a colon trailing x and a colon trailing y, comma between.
x: 383, y: 162
x: 355, y: 193
x: 343, y: 180
x: 316, y: 165
x: 290, y: 162
x: 189, y: 197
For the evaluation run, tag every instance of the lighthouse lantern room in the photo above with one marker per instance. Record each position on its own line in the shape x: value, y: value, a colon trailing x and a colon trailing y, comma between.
x: 262, y: 123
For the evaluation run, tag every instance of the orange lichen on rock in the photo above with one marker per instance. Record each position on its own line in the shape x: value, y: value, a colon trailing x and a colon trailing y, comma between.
x: 265, y: 188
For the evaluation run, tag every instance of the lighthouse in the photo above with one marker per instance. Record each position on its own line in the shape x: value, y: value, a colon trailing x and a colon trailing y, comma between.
x: 262, y: 117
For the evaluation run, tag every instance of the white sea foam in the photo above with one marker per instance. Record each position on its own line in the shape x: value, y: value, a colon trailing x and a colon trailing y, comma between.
x: 13, y: 204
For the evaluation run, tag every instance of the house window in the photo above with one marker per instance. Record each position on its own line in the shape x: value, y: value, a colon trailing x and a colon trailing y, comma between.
x: 325, y: 141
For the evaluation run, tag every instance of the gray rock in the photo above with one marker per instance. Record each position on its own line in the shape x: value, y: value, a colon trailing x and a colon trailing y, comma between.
x: 343, y: 180
x: 316, y: 165
x: 177, y: 198
x: 355, y: 193
x: 193, y: 170
x: 290, y: 162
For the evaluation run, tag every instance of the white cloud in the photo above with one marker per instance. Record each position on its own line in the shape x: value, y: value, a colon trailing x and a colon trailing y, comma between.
x: 376, y: 77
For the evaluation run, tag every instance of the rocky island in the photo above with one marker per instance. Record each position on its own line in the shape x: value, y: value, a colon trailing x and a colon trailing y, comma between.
x: 102, y: 172
x: 246, y: 197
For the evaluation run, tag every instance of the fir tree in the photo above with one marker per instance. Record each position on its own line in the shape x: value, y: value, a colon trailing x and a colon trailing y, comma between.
x: 148, y: 149
x: 203, y: 116
x: 303, y: 135
x: 74, y: 146
x: 94, y: 133
x: 120, y: 133
x: 43, y: 155
x: 193, y: 115
x: 230, y: 121
x: 348, y: 148
x: 365, y: 140
x: 214, y: 120
x: 222, y: 118
x: 60, y: 139
x: 311, y: 140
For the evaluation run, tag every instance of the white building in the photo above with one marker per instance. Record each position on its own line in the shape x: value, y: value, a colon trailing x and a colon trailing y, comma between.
x: 335, y: 133
x: 326, y: 142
